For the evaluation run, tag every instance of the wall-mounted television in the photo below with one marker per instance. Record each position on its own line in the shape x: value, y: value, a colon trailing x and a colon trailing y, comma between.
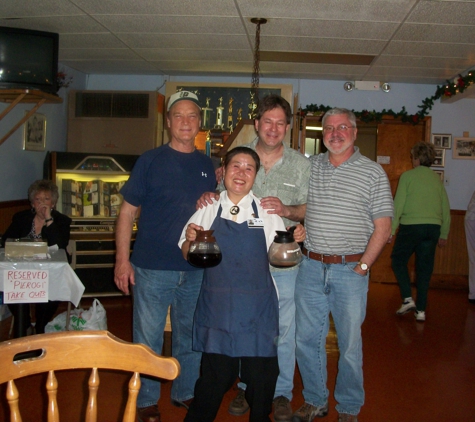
x: 28, y: 59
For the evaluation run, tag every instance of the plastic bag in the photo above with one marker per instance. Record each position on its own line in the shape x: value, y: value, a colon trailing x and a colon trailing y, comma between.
x: 94, y: 318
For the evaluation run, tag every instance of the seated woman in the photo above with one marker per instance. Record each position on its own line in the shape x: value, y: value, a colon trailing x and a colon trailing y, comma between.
x: 42, y: 221
x: 236, y: 322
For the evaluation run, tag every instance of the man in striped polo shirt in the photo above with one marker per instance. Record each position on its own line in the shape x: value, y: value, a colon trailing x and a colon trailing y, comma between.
x: 348, y: 222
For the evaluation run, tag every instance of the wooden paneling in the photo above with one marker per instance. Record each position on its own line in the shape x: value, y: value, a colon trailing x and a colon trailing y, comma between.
x: 451, y: 261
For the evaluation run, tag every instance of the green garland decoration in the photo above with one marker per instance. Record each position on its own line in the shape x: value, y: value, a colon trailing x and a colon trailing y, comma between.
x: 448, y: 90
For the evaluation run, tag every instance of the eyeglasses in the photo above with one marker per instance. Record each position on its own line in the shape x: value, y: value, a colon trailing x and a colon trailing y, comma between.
x: 339, y: 128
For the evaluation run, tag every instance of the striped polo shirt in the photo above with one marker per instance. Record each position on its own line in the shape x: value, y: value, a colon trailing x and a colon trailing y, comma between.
x: 342, y: 203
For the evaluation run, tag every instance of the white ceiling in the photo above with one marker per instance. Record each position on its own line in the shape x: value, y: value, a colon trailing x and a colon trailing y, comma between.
x: 413, y: 41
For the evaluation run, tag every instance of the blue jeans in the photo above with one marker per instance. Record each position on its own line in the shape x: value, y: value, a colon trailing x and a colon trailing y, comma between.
x: 285, y: 281
x: 319, y: 290
x: 153, y: 293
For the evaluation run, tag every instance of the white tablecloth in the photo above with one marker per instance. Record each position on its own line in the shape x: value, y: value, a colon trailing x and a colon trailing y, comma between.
x: 64, y: 284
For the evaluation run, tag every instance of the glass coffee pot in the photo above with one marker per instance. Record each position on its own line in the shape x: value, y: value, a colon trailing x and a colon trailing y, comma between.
x: 284, y: 251
x: 204, y: 251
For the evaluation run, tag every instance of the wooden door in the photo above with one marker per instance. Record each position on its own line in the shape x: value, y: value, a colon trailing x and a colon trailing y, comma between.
x: 395, y: 140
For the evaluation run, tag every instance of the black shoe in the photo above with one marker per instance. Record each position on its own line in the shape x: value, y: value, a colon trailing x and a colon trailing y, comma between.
x: 184, y: 403
x: 472, y: 301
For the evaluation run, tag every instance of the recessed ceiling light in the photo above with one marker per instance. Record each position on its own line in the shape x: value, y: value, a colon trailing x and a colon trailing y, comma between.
x: 348, y: 86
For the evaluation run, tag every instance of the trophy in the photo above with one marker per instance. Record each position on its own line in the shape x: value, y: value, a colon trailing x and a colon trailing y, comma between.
x: 230, y: 115
x: 206, y: 122
x: 219, y: 115
x: 252, y: 107
x: 208, y: 144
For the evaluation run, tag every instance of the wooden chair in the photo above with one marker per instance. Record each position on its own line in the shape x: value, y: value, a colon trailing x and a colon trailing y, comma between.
x: 79, y: 349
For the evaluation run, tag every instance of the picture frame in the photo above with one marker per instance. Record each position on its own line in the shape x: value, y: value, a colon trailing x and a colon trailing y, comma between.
x: 441, y: 174
x: 34, y: 133
x: 464, y: 149
x: 439, y: 157
x: 441, y: 140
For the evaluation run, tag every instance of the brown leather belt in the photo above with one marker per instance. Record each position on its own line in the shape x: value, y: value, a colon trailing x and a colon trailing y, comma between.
x: 332, y: 259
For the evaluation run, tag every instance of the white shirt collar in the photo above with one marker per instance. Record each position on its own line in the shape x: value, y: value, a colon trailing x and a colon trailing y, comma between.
x: 244, y: 203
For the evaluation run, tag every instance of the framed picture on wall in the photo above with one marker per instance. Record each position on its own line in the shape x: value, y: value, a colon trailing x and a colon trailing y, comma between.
x: 34, y: 134
x: 464, y: 148
x: 442, y: 140
x: 441, y: 174
x: 439, y: 157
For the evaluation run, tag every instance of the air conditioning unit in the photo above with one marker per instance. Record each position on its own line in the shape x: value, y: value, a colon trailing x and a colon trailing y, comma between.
x: 115, y: 122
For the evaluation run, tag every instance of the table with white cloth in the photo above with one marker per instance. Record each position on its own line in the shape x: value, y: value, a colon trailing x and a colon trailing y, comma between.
x: 64, y: 284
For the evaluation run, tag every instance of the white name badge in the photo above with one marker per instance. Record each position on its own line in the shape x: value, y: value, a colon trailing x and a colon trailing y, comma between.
x: 255, y: 223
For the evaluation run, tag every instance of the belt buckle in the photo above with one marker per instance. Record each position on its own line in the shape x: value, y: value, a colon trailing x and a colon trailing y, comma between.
x: 323, y: 256
x: 335, y: 259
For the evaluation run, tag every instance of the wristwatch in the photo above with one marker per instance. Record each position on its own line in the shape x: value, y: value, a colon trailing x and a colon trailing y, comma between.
x: 363, y: 266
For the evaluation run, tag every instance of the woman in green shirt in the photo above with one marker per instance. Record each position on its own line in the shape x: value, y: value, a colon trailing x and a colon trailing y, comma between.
x: 422, y: 213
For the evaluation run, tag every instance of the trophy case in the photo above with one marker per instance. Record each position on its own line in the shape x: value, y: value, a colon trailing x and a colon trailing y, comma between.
x: 89, y: 192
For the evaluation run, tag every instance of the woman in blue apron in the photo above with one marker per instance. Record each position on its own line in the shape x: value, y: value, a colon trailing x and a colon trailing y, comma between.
x: 236, y: 318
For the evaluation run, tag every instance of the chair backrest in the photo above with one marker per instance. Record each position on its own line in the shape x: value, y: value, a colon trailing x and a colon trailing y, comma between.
x: 74, y: 350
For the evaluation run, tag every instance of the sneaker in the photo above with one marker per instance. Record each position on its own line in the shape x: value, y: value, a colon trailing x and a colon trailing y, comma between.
x: 307, y: 412
x: 239, y: 405
x: 282, y: 409
x: 420, y: 316
x: 407, y: 306
x: 346, y: 417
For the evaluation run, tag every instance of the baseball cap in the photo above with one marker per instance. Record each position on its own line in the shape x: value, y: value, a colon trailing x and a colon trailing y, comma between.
x: 182, y: 95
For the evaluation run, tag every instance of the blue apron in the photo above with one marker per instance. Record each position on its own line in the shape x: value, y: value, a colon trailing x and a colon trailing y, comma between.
x: 237, y: 313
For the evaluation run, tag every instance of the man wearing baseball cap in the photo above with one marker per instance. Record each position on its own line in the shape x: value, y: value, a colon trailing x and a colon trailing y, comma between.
x: 165, y: 184
x: 183, y: 95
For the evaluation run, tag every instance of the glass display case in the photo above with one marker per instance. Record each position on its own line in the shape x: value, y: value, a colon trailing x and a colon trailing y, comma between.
x: 89, y: 188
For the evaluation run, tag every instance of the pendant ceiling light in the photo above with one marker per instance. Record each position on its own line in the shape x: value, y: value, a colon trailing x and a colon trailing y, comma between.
x: 256, y: 70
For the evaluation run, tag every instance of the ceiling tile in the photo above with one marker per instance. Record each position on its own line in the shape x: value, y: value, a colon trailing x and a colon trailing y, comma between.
x: 172, y: 24
x: 416, y: 41
x: 436, y: 33
x: 444, y: 12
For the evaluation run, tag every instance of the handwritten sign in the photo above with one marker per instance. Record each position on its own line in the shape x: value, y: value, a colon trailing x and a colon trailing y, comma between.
x: 25, y: 286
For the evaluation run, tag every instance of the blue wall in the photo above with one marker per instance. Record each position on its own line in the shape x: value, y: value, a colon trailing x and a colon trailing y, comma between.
x: 20, y: 167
